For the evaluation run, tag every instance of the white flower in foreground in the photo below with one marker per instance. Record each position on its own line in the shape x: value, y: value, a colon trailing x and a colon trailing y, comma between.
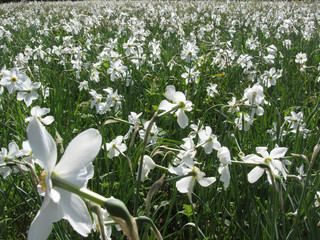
x: 178, y: 98
x: 115, y: 147
x: 186, y: 184
x: 272, y: 160
x: 37, y: 112
x: 75, y: 167
x: 225, y: 160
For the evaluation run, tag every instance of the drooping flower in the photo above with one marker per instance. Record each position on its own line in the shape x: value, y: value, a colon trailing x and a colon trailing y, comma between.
x: 180, y: 102
x: 225, y: 161
x: 148, y: 164
x: 75, y: 167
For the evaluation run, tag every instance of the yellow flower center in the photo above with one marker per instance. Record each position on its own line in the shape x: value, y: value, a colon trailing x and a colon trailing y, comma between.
x: 14, y: 79
x: 195, y: 171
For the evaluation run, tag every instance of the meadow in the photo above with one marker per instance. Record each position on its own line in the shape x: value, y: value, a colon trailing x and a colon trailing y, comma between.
x: 172, y: 120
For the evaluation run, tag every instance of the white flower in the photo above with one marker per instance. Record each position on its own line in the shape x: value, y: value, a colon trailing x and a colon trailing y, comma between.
x: 272, y: 160
x: 189, y: 51
x: 186, y: 184
x: 254, y: 95
x: 225, y: 161
x: 212, y: 90
x: 115, y: 147
x: 117, y: 70
x: 191, y: 75
x: 178, y: 98
x: 27, y: 91
x: 244, y: 121
x: 208, y: 140
x: 13, y: 79
x: 133, y: 119
x: 233, y: 106
x: 37, y: 112
x: 75, y: 167
x: 148, y: 164
x: 301, y: 58
x: 6, y: 156
x: 153, y: 135
x: 96, y: 226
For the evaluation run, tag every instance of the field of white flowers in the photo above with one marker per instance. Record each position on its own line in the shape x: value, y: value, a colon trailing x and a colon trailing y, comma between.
x: 159, y: 120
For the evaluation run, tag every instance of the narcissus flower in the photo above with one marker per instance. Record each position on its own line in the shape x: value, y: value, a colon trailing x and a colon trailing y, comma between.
x: 271, y: 159
x: 115, y: 147
x: 208, y: 140
x: 225, y: 161
x: 179, y: 105
x: 186, y: 184
x: 74, y: 167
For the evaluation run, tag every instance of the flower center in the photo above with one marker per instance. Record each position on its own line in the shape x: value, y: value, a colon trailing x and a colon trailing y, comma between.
x: 267, y: 160
x: 182, y: 104
x: 195, y: 171
x: 14, y: 79
x: 43, y: 180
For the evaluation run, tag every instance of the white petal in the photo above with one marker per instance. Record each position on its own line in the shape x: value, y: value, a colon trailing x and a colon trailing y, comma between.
x: 224, y: 155
x: 82, y: 177
x: 208, y: 147
x: 41, y: 226
x: 179, y: 97
x: 263, y: 151
x: 42, y: 144
x: 47, y: 120
x: 206, y: 181
x: 182, y: 119
x: 225, y: 175
x: 253, y: 158
x: 76, y: 212
x: 169, y: 92
x: 79, y: 153
x: 278, y: 152
x: 185, y: 185
x: 165, y: 105
x: 255, y: 174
